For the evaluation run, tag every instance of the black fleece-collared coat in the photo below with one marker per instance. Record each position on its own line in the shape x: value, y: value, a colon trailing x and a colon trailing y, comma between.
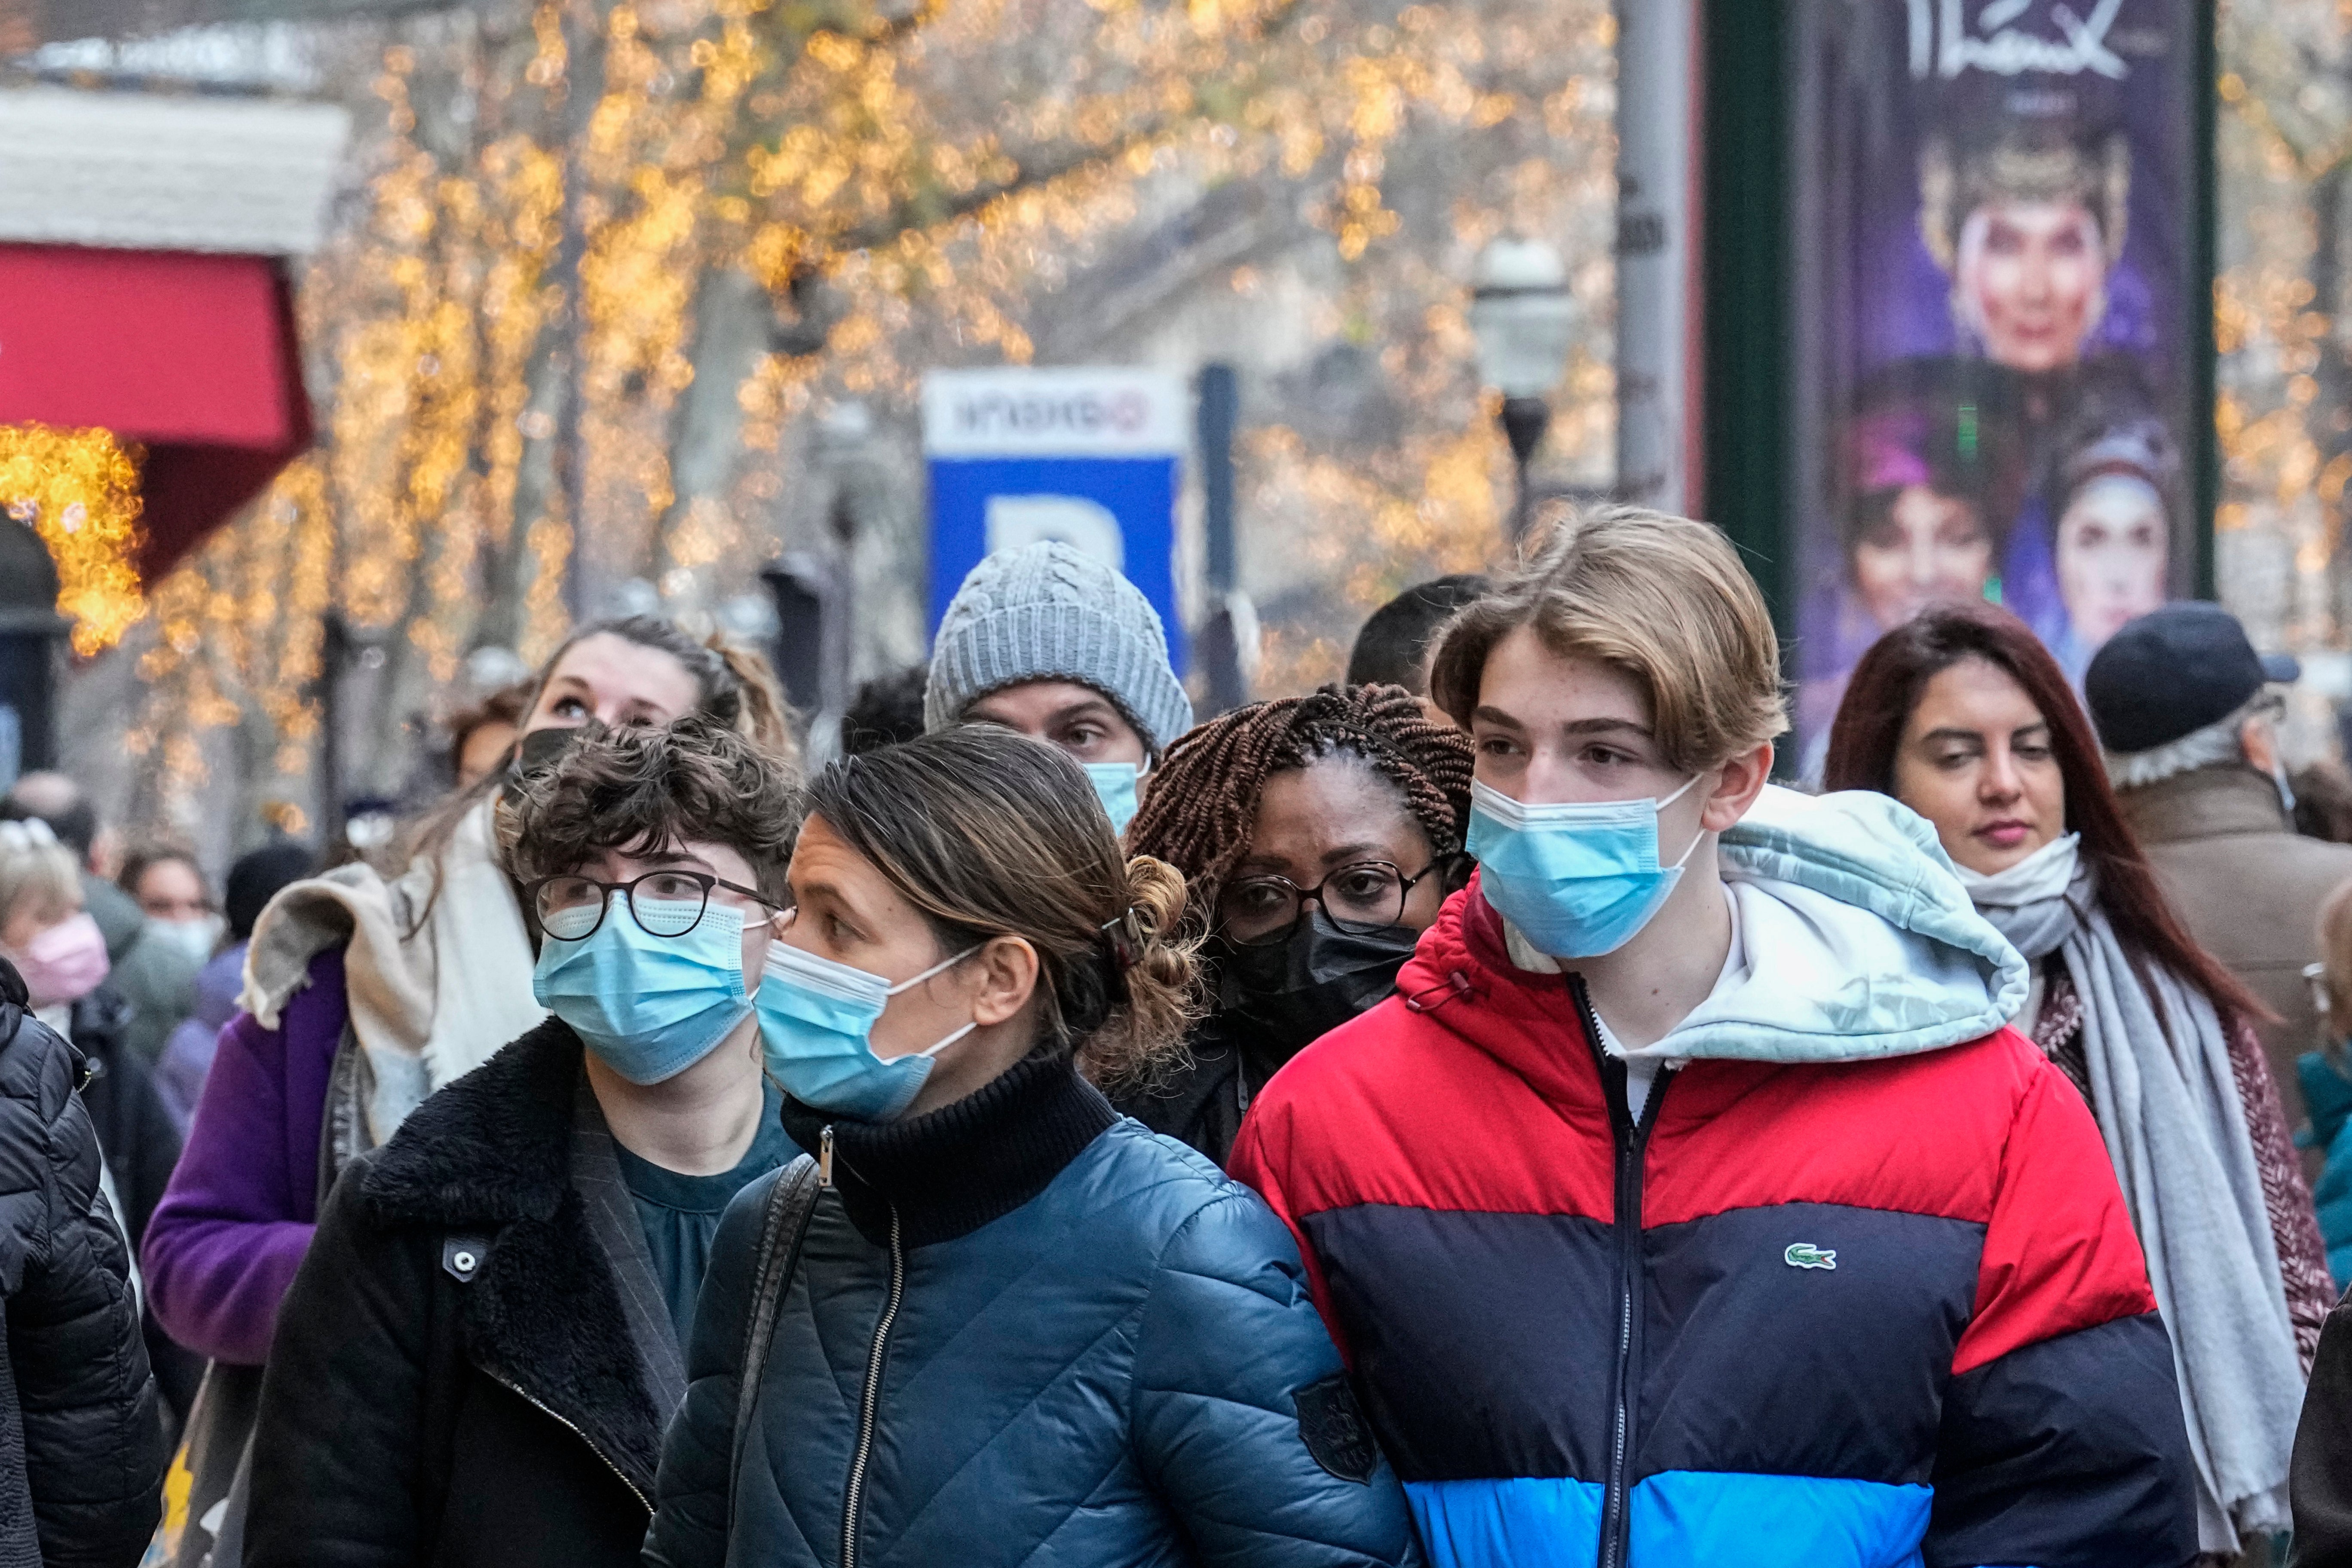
x: 473, y: 1366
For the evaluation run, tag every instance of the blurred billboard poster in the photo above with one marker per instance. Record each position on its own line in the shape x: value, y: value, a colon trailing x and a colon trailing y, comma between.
x: 1996, y: 294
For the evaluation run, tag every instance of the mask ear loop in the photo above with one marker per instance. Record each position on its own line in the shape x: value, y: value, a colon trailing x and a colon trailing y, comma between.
x: 943, y: 965
x: 950, y: 1040
x: 1693, y: 849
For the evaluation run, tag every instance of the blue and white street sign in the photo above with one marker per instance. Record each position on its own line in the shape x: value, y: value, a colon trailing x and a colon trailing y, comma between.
x: 1086, y: 456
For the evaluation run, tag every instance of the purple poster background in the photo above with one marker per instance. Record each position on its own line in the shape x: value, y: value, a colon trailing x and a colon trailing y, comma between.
x: 1993, y: 203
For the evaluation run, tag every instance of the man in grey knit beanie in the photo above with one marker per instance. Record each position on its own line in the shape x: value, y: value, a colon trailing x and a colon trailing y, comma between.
x: 1056, y: 645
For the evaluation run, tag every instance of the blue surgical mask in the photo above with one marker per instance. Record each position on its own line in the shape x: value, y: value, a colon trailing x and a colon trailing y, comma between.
x: 649, y: 1006
x: 815, y: 1019
x: 196, y: 939
x: 1579, y: 879
x: 1115, y: 787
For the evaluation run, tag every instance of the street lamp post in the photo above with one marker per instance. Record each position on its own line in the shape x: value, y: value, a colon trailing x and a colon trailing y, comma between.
x: 1523, y: 317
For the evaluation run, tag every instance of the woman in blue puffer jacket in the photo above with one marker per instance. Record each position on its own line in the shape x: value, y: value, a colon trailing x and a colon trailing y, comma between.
x: 1020, y: 1329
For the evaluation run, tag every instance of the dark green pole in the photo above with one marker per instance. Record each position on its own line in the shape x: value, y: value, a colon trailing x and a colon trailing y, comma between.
x: 2203, y: 357
x: 1747, y: 249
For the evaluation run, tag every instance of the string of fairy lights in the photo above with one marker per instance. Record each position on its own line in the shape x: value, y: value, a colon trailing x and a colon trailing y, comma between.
x: 2283, y: 427
x: 79, y: 490
x: 944, y: 171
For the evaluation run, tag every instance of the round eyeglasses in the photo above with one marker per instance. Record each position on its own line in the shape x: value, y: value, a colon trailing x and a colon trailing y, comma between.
x: 1360, y: 897
x: 663, y: 903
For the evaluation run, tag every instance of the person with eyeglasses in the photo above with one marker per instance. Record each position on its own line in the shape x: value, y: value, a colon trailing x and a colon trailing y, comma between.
x: 1317, y: 836
x: 477, y: 1358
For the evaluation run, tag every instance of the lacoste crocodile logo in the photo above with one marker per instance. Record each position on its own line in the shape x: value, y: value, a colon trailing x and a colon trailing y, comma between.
x: 1805, y: 1255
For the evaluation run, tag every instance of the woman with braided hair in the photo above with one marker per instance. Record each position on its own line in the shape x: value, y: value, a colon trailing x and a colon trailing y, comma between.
x: 1317, y: 836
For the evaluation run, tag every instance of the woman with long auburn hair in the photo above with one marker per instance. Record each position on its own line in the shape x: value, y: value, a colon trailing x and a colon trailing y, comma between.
x: 1965, y: 717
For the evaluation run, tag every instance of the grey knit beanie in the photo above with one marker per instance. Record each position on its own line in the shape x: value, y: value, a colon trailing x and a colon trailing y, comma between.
x: 1045, y: 612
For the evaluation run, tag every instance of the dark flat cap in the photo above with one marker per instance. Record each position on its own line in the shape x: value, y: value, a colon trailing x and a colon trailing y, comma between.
x: 2173, y: 670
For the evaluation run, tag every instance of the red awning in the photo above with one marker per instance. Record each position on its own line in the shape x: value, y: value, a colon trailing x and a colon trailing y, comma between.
x: 193, y: 355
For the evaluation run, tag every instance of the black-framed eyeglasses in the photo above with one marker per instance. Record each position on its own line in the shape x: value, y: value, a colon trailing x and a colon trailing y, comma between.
x: 663, y: 903
x: 1361, y: 897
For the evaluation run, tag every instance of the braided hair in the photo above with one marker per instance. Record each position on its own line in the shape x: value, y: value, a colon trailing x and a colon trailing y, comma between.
x: 1200, y: 808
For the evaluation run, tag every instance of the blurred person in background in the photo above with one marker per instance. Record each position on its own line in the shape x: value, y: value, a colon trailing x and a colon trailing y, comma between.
x: 81, y: 1435
x: 1079, y: 1343
x: 187, y: 1057
x: 482, y: 735
x: 2323, y: 801
x: 169, y: 887
x: 2188, y: 713
x: 56, y: 947
x: 1392, y: 646
x: 1317, y: 836
x: 1965, y: 717
x: 1049, y: 641
x: 887, y: 710
x: 156, y: 979
x: 477, y: 1359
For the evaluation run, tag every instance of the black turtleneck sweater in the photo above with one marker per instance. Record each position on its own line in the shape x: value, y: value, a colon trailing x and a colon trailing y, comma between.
x: 951, y: 1171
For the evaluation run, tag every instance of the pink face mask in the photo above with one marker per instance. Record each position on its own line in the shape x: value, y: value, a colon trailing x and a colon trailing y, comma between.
x: 65, y: 963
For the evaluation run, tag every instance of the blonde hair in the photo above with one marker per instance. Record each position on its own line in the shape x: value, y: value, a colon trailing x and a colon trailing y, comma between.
x: 988, y: 834
x: 1662, y: 600
x: 35, y: 866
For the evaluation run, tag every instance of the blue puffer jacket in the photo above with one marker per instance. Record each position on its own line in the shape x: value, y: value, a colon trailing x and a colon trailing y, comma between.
x: 2328, y: 1094
x: 1025, y: 1331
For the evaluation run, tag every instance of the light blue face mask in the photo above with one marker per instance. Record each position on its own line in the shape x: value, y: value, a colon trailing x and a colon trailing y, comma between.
x: 649, y: 1006
x: 816, y: 1016
x: 1577, y: 878
x: 1115, y: 787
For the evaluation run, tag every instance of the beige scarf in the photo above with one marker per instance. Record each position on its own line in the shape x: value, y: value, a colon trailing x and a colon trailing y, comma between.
x: 425, y: 1008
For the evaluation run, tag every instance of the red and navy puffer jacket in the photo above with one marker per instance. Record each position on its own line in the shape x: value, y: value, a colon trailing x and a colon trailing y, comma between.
x: 1848, y: 1314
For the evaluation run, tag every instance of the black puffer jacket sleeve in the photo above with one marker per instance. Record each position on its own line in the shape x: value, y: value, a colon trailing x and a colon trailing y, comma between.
x: 92, y: 1433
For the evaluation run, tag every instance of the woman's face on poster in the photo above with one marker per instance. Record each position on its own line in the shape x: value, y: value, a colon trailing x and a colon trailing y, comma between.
x: 2032, y: 281
x: 2113, y: 550
x: 1930, y: 549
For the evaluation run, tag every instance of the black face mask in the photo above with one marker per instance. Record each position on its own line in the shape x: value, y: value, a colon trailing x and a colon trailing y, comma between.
x: 538, y: 752
x: 1300, y: 990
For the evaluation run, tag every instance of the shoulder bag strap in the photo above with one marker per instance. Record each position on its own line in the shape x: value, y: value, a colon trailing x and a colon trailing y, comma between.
x: 790, y: 1202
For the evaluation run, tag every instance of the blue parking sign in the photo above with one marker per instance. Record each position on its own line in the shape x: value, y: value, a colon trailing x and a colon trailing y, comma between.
x: 1088, y: 456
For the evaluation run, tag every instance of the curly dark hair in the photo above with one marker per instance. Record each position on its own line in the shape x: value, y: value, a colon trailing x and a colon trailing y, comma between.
x: 639, y: 788
x: 1200, y: 806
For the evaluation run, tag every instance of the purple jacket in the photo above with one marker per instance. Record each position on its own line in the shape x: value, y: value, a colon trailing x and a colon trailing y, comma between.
x: 237, y: 1216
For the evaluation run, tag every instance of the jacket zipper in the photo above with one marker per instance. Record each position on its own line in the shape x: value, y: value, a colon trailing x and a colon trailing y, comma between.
x: 515, y: 1389
x: 1631, y: 1137
x: 854, y: 1496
